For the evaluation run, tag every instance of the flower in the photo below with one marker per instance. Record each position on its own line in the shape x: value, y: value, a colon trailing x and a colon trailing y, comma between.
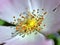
x: 10, y: 8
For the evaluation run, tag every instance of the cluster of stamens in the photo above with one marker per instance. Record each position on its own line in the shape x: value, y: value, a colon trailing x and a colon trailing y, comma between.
x: 31, y: 22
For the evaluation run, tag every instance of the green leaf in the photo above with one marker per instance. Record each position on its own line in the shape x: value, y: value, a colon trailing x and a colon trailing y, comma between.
x: 1, y: 22
x: 4, y: 23
x: 51, y: 36
x: 58, y: 40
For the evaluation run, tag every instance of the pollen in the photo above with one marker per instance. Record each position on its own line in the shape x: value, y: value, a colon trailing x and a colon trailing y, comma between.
x: 30, y: 22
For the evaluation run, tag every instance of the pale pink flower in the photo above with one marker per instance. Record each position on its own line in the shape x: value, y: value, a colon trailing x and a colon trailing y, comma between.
x: 10, y: 8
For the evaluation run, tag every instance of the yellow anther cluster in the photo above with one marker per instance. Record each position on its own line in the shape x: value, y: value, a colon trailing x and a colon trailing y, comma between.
x: 31, y: 22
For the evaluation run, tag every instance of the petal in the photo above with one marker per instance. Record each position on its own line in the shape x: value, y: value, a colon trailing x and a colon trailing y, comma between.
x: 36, y: 4
x: 29, y: 40
x: 48, y: 42
x: 56, y: 25
x: 46, y: 4
x: 3, y: 4
x: 5, y: 33
x: 20, y: 5
x: 12, y: 9
x: 52, y: 22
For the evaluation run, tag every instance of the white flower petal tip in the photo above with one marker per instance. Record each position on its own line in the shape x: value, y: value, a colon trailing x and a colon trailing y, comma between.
x: 30, y: 21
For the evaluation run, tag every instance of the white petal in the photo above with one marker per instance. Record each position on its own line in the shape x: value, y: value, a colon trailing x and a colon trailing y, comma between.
x: 45, y: 4
x: 29, y: 40
x: 10, y: 10
x: 56, y: 25
x: 52, y: 22
x: 36, y: 4
x: 5, y: 33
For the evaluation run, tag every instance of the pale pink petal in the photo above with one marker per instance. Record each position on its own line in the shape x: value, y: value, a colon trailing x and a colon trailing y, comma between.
x: 30, y: 40
x: 12, y: 8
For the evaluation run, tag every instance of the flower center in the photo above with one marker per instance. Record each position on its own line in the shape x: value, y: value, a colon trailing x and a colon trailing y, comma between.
x: 30, y: 23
